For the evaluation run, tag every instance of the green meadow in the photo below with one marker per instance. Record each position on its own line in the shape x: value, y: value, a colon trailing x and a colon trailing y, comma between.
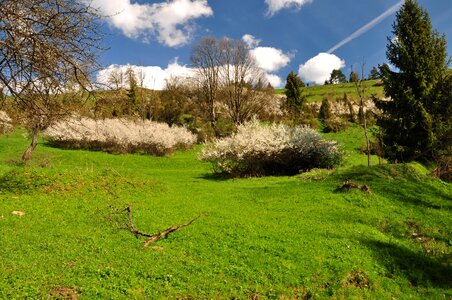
x: 337, y: 91
x: 296, y: 237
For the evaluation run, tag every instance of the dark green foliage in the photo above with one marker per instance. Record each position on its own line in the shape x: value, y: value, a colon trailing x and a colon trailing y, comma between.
x: 417, y: 117
x: 337, y: 76
x: 330, y: 122
x: 374, y: 74
x: 351, y: 111
x: 325, y: 110
x: 441, y: 109
x: 131, y: 91
x: 295, y: 98
x: 354, y: 77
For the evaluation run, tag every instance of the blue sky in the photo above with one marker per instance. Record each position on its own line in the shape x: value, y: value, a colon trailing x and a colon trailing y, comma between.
x: 284, y: 34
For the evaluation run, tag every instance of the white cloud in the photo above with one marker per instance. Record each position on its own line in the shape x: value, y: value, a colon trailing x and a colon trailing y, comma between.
x: 319, y: 68
x: 154, y: 77
x: 270, y: 59
x: 276, y: 5
x: 170, y: 22
x: 251, y: 41
x: 274, y: 80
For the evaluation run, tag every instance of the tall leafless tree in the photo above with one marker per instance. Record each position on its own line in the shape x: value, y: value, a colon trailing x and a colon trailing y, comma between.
x: 115, y: 79
x: 206, y: 61
x: 228, y: 74
x: 45, y: 45
x: 240, y: 75
x: 360, y: 87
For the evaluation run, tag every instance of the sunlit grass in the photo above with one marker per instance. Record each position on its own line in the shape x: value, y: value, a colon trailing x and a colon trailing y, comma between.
x: 337, y: 91
x: 270, y: 237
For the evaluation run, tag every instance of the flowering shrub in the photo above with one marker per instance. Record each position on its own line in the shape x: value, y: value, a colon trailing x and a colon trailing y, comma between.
x: 120, y: 136
x: 257, y: 150
x: 5, y: 123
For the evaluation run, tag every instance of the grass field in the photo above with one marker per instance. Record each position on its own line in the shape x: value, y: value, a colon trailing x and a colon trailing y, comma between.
x: 317, y: 93
x: 257, y: 238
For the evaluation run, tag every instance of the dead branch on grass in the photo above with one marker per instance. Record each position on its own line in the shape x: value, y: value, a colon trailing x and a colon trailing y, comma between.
x: 152, y: 238
x: 348, y: 185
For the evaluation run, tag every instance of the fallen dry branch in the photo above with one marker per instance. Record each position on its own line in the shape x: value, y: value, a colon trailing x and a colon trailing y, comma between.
x: 152, y: 238
x: 348, y: 185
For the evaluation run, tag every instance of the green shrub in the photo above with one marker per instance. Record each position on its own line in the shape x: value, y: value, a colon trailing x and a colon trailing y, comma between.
x: 325, y: 110
x: 335, y: 124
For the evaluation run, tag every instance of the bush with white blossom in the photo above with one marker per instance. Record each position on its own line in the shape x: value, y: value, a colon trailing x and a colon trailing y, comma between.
x: 277, y: 149
x: 5, y: 123
x: 120, y: 136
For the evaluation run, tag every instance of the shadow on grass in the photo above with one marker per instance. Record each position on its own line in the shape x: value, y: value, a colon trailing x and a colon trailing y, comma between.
x: 22, y: 181
x: 402, y: 183
x: 419, y: 269
x: 215, y: 176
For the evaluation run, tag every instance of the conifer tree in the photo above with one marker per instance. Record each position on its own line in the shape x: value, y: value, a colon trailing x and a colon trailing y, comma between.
x: 294, y: 95
x: 409, y: 122
x: 354, y: 77
x: 337, y: 76
x: 374, y: 74
x: 325, y: 110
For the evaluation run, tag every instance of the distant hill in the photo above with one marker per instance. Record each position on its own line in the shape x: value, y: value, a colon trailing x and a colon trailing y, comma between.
x: 317, y: 93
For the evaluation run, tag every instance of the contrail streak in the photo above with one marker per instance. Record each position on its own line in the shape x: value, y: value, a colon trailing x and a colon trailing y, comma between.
x: 367, y: 27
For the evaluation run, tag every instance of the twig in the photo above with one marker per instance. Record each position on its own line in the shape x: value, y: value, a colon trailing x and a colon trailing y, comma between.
x: 157, y: 236
x: 132, y: 227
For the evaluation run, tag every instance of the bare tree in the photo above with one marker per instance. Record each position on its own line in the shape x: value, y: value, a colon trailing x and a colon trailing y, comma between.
x: 44, y: 46
x: 141, y: 76
x: 206, y: 61
x: 116, y: 79
x: 240, y: 76
x: 360, y: 87
x: 228, y: 73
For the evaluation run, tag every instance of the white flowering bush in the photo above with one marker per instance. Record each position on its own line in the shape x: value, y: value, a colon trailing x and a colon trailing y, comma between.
x: 120, y: 136
x: 5, y: 123
x: 277, y: 149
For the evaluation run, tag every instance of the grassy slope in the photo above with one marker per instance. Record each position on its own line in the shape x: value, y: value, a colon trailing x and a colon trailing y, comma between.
x: 316, y: 93
x: 266, y: 237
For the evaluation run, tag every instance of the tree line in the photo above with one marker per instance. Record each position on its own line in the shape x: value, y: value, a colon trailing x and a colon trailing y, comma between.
x: 49, y: 53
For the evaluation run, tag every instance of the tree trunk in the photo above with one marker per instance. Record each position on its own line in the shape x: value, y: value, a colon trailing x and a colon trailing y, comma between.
x: 34, y: 142
x: 212, y: 118
x: 365, y: 133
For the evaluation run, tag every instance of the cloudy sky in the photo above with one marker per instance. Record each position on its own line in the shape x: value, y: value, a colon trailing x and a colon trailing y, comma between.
x: 310, y: 37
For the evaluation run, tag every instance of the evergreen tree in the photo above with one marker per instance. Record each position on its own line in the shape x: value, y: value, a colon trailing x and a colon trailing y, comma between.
x: 351, y: 111
x: 412, y: 120
x: 374, y: 74
x: 325, y: 110
x: 294, y: 91
x: 132, y: 90
x: 354, y: 77
x: 337, y: 76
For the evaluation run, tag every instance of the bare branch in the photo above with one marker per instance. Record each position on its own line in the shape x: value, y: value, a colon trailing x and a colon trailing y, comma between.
x: 152, y: 238
x: 46, y: 46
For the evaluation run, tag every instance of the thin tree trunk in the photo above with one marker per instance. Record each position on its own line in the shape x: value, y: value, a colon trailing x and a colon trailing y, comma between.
x: 380, y: 146
x: 34, y: 142
x: 361, y: 88
x: 212, y: 118
x: 366, y: 134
